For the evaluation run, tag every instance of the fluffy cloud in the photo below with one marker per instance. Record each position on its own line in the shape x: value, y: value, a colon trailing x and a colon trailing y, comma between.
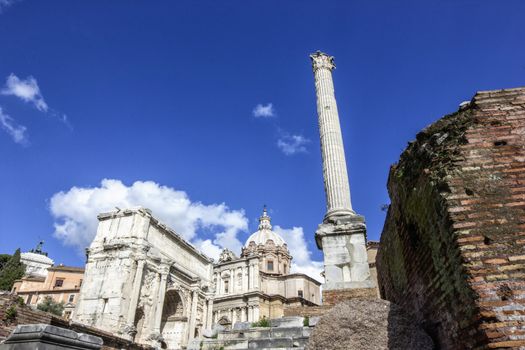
x: 75, y: 213
x: 292, y: 144
x: 25, y: 89
x: 302, y: 261
x: 17, y: 132
x: 261, y: 111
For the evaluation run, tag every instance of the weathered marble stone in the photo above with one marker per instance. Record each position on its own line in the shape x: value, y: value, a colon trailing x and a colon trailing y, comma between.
x: 47, y: 337
x: 290, y: 321
x: 341, y: 236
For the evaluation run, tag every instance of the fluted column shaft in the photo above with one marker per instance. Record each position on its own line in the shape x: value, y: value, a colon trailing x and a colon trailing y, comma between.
x: 337, y: 188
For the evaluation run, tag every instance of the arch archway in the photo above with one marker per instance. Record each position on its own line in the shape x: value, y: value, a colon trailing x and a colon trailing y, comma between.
x: 174, y: 321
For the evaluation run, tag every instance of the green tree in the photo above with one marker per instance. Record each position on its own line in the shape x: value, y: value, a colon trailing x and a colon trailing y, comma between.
x: 49, y: 305
x: 4, y: 258
x: 12, y: 270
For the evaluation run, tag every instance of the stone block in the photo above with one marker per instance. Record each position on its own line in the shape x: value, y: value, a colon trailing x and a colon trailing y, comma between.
x: 290, y: 321
x: 47, y: 337
x: 287, y: 332
x: 269, y: 343
x: 313, y: 321
x: 242, y: 325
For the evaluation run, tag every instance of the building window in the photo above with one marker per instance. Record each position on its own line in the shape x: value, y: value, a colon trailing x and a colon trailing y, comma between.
x: 80, y: 284
x: 71, y: 298
x: 67, y: 314
x: 59, y: 282
x: 270, y: 265
x: 284, y: 268
x: 226, y: 283
x: 300, y: 293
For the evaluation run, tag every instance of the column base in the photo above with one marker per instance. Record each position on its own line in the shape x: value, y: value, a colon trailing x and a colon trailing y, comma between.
x: 345, y: 255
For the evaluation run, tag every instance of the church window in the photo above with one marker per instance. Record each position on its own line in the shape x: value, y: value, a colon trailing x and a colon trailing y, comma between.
x: 284, y: 268
x: 239, y: 279
x: 226, y: 285
x: 270, y: 265
x: 59, y: 282
x: 300, y: 293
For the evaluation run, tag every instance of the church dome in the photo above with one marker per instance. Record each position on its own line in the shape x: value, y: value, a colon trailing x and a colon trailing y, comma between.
x: 35, y: 258
x: 264, y: 233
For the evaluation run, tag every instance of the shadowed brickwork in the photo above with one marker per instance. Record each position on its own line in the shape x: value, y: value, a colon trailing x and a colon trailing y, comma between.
x: 452, y: 250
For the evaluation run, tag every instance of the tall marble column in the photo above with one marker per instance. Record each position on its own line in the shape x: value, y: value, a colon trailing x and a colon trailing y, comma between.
x: 209, y: 316
x: 160, y: 298
x: 193, y: 314
x: 133, y: 303
x: 342, y: 235
x: 337, y: 188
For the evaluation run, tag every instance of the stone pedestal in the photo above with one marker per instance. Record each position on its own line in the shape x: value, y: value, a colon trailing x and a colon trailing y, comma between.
x: 345, y: 257
x: 46, y: 337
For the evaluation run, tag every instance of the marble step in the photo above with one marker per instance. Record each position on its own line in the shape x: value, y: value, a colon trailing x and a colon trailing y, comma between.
x: 252, y: 333
x: 270, y: 343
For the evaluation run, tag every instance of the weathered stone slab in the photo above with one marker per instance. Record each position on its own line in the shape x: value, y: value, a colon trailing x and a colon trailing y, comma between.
x: 242, y: 325
x: 266, y: 343
x: 313, y: 321
x: 47, y: 337
x: 290, y: 321
x: 287, y: 332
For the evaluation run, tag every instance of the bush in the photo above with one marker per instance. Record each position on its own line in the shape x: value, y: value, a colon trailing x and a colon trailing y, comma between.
x: 10, y: 313
x: 263, y: 322
x: 306, y: 321
x: 49, y: 305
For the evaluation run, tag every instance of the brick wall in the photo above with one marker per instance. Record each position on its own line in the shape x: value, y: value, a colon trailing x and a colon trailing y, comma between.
x: 26, y: 315
x: 333, y: 297
x: 305, y: 311
x: 452, y: 250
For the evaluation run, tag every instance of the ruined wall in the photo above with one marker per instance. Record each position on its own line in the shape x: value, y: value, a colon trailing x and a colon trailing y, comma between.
x: 452, y: 248
x: 23, y: 314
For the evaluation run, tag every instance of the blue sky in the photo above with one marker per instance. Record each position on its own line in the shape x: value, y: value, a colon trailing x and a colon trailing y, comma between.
x: 159, y: 96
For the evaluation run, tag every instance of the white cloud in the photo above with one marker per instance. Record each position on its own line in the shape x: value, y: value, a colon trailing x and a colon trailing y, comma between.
x: 6, y: 3
x: 292, y: 144
x: 27, y: 90
x: 302, y: 261
x: 261, y: 111
x: 75, y: 212
x: 17, y: 132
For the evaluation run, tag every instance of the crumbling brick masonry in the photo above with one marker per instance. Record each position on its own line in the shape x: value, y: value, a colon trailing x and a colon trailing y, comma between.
x: 452, y: 250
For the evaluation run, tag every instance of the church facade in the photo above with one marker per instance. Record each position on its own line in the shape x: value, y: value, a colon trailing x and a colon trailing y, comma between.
x: 144, y: 282
x: 258, y: 284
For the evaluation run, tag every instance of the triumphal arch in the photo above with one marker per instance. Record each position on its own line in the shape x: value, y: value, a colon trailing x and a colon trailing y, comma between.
x: 145, y: 282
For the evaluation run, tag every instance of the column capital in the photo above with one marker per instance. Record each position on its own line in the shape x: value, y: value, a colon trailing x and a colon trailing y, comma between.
x: 322, y: 60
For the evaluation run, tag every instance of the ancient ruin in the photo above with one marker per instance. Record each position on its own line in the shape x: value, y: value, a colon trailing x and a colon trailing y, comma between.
x: 342, y: 235
x: 452, y: 248
x: 144, y: 282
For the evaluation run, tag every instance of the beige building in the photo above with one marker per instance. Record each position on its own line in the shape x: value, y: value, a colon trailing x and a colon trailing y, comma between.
x: 258, y: 284
x: 62, y: 284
